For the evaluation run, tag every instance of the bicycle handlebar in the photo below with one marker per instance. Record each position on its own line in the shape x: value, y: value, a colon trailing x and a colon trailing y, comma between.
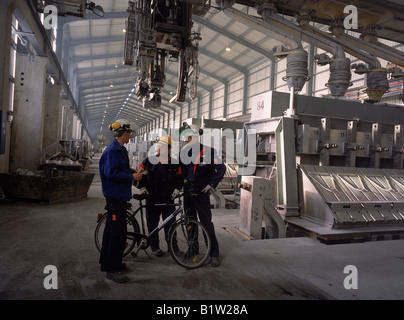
x: 140, y: 196
x: 189, y: 192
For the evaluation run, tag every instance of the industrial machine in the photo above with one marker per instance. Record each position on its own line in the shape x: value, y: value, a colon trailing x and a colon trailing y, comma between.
x: 157, y: 30
x: 61, y: 176
x: 336, y: 166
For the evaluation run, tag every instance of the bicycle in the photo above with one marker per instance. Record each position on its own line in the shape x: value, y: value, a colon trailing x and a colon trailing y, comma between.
x: 189, y: 243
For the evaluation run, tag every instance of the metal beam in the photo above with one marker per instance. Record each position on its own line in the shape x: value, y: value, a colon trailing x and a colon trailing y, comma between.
x: 222, y: 60
x: 233, y: 37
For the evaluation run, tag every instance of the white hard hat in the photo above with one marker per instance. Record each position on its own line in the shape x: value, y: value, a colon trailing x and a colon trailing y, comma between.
x: 190, y: 130
x: 121, y: 124
x: 195, y: 130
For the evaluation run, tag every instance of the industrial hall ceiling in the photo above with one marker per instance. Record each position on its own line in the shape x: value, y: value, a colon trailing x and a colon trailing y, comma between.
x: 98, y: 52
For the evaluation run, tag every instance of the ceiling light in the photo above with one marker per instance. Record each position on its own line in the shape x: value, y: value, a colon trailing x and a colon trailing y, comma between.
x: 98, y: 10
x: 228, y: 45
x: 173, y: 99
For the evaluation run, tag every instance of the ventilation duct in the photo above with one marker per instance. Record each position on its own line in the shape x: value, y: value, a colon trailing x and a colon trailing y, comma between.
x: 376, y: 81
x: 369, y: 43
x: 297, y: 66
x: 340, y: 73
x: 340, y: 66
x: 339, y: 78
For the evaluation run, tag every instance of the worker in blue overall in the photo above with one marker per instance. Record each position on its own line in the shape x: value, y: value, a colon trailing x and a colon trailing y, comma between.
x: 202, y: 170
x: 116, y: 179
x: 161, y: 180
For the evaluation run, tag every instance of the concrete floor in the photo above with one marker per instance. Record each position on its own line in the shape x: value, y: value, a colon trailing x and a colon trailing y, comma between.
x: 34, y: 235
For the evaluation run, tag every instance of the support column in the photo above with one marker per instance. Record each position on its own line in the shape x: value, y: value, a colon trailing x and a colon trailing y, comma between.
x: 52, y: 115
x: 288, y: 198
x: 5, y: 44
x: 26, y: 133
x: 69, y: 124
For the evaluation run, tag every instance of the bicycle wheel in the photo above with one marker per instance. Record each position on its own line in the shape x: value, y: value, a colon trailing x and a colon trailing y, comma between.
x: 189, y: 243
x: 131, y: 224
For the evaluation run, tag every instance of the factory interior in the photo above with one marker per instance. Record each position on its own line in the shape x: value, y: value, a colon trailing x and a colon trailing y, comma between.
x: 302, y: 99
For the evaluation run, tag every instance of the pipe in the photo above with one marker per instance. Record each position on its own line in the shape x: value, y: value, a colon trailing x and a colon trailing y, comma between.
x: 340, y: 69
x: 339, y: 32
x: 340, y: 72
x: 377, y: 77
x: 377, y: 84
x: 369, y: 36
x: 320, y: 39
x: 297, y: 65
x: 337, y: 84
x: 258, y: 25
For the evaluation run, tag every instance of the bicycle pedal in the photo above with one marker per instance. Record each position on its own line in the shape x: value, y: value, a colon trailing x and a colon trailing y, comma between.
x: 133, y: 254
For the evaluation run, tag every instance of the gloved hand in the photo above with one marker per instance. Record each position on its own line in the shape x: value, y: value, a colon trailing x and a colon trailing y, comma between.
x: 144, y: 191
x: 175, y: 193
x: 206, y: 189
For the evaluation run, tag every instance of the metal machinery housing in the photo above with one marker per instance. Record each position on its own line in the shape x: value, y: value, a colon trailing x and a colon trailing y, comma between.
x: 332, y: 168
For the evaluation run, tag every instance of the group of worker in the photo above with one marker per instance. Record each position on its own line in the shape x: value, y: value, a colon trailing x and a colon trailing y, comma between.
x: 199, y: 169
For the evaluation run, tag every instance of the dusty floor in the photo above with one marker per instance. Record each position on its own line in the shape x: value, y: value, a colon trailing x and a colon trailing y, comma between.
x: 33, y: 236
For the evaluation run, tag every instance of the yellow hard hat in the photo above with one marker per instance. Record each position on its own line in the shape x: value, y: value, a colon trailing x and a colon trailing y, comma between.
x: 164, y: 141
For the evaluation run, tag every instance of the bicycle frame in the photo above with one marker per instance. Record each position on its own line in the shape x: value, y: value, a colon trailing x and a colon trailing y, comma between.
x: 166, y: 220
x: 142, y: 239
x: 182, y: 238
x: 139, y: 237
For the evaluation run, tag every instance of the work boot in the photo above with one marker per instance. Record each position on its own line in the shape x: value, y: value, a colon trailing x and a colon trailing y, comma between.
x: 180, y: 254
x: 123, y: 268
x: 214, y: 262
x: 117, y: 277
x: 158, y: 253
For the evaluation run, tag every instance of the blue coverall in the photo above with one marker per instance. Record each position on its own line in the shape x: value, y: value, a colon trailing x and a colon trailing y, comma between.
x: 116, y: 179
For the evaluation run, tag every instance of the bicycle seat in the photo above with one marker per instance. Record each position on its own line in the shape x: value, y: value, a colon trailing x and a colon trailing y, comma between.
x: 140, y: 196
